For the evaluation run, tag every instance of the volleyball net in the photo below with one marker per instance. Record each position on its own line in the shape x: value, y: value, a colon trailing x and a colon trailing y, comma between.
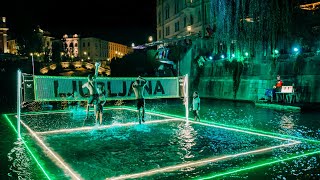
x: 62, y: 88
x: 37, y: 89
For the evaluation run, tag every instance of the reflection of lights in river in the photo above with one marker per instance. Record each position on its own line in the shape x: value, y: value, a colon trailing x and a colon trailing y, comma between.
x: 286, y: 122
x: 201, y: 162
x: 186, y: 136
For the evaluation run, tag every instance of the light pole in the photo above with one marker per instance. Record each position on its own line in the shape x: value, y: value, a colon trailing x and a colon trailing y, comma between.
x: 32, y: 63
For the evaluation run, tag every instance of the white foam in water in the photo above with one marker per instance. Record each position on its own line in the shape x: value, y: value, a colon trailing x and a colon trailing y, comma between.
x: 20, y: 162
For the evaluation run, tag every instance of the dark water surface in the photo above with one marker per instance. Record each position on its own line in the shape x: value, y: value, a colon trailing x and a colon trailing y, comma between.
x: 115, y: 151
x: 201, y: 142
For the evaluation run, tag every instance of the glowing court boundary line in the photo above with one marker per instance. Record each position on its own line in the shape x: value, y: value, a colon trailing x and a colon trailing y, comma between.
x: 176, y: 167
x: 250, y: 167
x: 208, y: 123
x: 197, y: 163
x: 221, y: 127
x: 54, y: 155
x: 265, y: 164
x: 200, y: 162
x: 247, y: 132
x: 89, y: 128
x: 237, y: 127
x: 261, y: 132
x: 271, y: 147
x: 25, y: 144
x: 54, y: 112
x: 173, y: 118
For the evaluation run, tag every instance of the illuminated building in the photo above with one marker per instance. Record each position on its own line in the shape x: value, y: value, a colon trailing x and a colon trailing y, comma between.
x: 12, y: 46
x: 93, y: 48
x: 310, y: 6
x: 3, y: 35
x: 180, y: 18
x: 70, y: 45
x: 117, y: 50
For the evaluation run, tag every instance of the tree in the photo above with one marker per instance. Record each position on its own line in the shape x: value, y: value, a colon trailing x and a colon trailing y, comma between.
x: 57, y: 48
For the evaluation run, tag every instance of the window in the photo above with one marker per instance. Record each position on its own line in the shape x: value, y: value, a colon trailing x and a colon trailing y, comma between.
x: 205, y: 14
x: 88, y: 44
x: 176, y: 7
x: 159, y: 17
x: 191, y: 20
x: 199, y: 16
x: 83, y: 44
x: 176, y: 26
x: 167, y: 30
x: 167, y: 12
x: 185, y: 22
x: 159, y: 34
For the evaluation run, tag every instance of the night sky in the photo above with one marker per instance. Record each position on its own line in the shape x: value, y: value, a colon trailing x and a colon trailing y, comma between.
x: 118, y: 21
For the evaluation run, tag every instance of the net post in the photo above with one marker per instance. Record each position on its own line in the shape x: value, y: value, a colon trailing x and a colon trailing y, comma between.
x: 18, y: 102
x: 186, y: 80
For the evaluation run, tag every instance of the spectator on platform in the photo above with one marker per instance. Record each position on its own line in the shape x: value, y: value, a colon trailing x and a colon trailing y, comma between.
x: 277, y: 88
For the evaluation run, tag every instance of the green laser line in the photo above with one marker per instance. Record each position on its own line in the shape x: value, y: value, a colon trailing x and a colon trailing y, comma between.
x: 242, y: 128
x: 257, y: 166
x: 24, y: 142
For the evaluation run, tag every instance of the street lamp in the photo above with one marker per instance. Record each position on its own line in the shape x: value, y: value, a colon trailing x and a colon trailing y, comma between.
x: 189, y: 29
x: 150, y: 39
x: 31, y: 54
x: 61, y: 56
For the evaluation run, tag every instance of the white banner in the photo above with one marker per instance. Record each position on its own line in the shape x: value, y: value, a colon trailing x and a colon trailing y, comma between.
x: 62, y: 88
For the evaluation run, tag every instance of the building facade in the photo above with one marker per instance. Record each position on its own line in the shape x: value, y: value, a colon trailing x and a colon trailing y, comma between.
x: 12, y: 46
x: 93, y: 48
x: 177, y: 18
x: 116, y: 50
x: 3, y: 35
x: 70, y: 45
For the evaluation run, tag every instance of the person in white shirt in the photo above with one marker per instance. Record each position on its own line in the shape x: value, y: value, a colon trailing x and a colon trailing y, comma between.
x: 196, y: 106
